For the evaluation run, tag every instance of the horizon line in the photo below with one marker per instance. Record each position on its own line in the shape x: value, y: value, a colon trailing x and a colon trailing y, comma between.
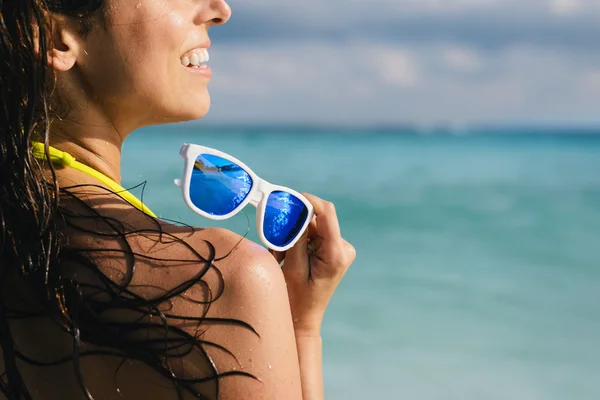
x: 412, y: 126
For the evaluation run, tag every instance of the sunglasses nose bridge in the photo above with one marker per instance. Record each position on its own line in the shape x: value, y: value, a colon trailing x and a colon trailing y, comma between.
x: 260, y: 193
x: 256, y: 198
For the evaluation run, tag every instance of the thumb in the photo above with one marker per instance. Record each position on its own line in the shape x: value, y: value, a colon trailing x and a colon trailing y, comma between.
x: 296, y: 258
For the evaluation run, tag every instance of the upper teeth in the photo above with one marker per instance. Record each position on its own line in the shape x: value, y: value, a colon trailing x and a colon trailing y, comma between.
x: 196, y: 58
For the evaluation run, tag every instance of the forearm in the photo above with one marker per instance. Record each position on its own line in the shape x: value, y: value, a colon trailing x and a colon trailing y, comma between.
x: 310, y: 357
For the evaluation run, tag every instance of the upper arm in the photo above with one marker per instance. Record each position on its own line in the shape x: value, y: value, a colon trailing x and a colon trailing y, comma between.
x: 255, y: 292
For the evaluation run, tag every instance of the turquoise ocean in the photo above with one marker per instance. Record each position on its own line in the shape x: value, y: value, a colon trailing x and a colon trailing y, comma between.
x: 478, y: 268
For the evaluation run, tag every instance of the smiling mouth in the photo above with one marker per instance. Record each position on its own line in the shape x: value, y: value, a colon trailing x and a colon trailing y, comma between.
x: 196, y: 58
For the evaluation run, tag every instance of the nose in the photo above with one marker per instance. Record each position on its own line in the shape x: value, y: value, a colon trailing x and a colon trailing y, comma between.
x: 221, y: 12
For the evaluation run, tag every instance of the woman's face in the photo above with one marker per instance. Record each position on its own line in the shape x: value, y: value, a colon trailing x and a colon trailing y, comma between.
x: 137, y: 63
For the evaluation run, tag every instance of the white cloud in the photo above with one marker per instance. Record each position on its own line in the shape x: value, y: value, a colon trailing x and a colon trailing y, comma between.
x: 591, y: 80
x: 462, y: 59
x: 336, y: 10
x: 393, y: 85
x: 569, y: 7
x: 397, y: 67
x: 452, y: 5
x: 562, y: 7
x: 408, y: 60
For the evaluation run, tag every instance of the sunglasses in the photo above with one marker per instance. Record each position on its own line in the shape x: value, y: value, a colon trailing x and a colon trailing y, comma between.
x: 218, y: 186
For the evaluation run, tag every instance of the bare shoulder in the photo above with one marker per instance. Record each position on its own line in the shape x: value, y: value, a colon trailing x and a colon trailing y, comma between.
x: 234, y: 298
x: 254, y: 292
x: 242, y: 265
x: 241, y: 261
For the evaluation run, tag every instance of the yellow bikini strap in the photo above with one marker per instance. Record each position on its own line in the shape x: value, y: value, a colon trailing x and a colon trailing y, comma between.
x: 67, y: 160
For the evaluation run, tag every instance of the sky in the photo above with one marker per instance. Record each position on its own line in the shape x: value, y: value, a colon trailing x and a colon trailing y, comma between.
x: 423, y: 62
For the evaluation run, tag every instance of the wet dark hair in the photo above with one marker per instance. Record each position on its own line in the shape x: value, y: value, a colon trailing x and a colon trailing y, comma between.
x: 35, y: 250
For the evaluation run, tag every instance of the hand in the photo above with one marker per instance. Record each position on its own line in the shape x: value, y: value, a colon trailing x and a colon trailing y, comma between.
x: 314, y: 267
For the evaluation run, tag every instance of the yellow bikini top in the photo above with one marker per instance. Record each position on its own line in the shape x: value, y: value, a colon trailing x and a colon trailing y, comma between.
x: 67, y: 160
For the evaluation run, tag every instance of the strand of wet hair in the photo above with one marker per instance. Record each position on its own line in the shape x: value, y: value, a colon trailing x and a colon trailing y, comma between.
x: 122, y: 234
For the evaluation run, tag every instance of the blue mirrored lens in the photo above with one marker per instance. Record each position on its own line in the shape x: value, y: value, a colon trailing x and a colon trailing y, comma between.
x: 218, y: 185
x: 284, y: 217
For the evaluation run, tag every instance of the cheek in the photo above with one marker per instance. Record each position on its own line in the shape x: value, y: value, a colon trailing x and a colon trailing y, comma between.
x: 137, y: 58
x: 159, y: 80
x: 149, y: 32
x: 140, y: 65
x: 153, y: 47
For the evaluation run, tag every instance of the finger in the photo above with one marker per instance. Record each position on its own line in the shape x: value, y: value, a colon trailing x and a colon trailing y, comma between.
x: 327, y: 221
x: 351, y: 250
x: 312, y: 228
x: 296, y: 258
x: 350, y: 253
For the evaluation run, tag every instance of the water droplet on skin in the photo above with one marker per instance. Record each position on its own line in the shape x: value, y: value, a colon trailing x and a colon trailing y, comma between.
x: 138, y: 5
x: 270, y: 366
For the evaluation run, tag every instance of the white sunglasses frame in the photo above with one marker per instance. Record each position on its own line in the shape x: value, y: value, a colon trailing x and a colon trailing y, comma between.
x: 258, y: 195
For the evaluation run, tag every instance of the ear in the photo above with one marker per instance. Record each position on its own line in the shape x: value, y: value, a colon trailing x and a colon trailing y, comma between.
x: 66, y: 43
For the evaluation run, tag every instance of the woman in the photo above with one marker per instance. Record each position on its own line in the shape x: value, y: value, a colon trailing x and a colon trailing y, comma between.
x: 98, y: 299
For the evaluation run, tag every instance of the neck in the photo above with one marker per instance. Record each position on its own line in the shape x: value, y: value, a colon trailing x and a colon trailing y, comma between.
x: 92, y: 132
x: 96, y: 147
x: 98, y: 158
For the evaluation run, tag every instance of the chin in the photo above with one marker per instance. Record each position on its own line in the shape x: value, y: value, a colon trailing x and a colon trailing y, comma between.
x: 198, y: 112
x: 196, y: 108
x: 189, y: 111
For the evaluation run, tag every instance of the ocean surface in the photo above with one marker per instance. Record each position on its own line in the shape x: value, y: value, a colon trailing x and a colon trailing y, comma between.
x: 478, y: 268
